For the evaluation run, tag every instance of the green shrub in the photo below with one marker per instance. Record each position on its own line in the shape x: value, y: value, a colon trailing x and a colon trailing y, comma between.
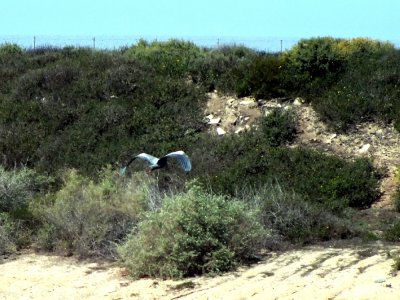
x: 261, y: 78
x: 19, y: 187
x: 317, y: 177
x: 14, y: 233
x: 7, y: 234
x: 312, y: 65
x: 13, y: 62
x: 88, y: 108
x: 171, y: 58
x: 10, y: 49
x: 278, y: 128
x: 222, y: 68
x: 297, y: 220
x: 362, y: 49
x: 356, y: 182
x: 392, y: 234
x: 367, y: 91
x: 193, y: 233
x: 87, y: 218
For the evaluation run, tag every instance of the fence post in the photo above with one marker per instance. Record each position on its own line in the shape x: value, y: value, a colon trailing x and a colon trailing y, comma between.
x: 94, y: 42
x: 281, y: 46
x: 34, y: 42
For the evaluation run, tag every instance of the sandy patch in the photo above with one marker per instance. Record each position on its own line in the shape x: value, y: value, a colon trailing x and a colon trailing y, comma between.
x: 358, y: 272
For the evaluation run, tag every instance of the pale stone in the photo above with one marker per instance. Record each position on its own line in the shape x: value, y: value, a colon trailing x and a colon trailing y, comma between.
x: 298, y: 101
x: 214, y: 121
x: 220, y: 131
x: 364, y: 149
x: 239, y: 130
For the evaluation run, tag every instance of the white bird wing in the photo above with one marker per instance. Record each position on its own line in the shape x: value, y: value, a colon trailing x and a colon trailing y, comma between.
x: 182, y: 158
x: 152, y: 160
x: 147, y: 157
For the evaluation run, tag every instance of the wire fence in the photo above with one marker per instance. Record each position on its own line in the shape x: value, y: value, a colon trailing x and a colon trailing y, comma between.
x: 270, y: 44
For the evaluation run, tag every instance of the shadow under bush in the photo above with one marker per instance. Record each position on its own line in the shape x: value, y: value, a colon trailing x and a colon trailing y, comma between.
x: 193, y: 233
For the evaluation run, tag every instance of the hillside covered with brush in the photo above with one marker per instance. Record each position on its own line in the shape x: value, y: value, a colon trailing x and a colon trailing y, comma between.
x: 70, y: 117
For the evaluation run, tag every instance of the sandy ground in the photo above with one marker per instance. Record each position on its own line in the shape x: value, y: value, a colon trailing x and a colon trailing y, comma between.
x: 318, y: 272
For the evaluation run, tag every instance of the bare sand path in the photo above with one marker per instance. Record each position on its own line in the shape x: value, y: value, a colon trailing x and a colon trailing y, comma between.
x: 317, y: 272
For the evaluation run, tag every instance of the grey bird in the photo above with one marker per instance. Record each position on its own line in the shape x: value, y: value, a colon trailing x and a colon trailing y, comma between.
x: 158, y: 163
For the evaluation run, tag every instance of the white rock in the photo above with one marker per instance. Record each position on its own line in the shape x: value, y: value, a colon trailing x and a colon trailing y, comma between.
x: 298, y: 101
x: 239, y: 130
x: 364, y: 149
x: 220, y: 131
x: 214, y: 121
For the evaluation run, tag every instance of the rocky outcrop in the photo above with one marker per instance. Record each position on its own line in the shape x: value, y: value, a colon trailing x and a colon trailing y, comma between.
x: 377, y: 141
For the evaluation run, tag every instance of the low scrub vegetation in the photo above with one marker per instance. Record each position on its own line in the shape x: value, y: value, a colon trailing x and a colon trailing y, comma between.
x: 88, y: 218
x: 7, y: 234
x: 294, y: 219
x: 392, y: 233
x: 193, y: 233
x: 18, y: 187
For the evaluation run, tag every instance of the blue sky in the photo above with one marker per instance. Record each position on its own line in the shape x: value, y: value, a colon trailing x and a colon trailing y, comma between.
x: 377, y: 19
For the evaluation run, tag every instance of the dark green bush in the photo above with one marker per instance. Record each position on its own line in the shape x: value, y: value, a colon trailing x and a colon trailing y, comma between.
x: 87, y: 218
x: 295, y: 219
x: 312, y: 66
x: 88, y: 108
x: 261, y: 78
x: 7, y: 234
x: 14, y: 234
x: 222, y: 68
x: 316, y: 177
x: 367, y: 91
x: 193, y: 233
x: 392, y: 234
x: 13, y: 62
